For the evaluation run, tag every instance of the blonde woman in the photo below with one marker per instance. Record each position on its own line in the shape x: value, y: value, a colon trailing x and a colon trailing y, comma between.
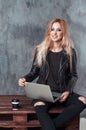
x: 55, y: 64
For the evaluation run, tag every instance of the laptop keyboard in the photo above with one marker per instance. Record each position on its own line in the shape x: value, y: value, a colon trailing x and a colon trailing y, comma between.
x: 55, y: 95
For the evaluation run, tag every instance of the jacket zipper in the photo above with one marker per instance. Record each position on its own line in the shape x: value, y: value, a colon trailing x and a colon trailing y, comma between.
x: 47, y: 72
x: 62, y: 66
x: 60, y: 75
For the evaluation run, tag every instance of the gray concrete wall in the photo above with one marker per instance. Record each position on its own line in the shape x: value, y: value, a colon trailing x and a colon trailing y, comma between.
x: 22, y: 26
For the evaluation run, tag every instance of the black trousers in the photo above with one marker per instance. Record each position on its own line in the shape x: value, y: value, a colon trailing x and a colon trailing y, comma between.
x: 73, y: 107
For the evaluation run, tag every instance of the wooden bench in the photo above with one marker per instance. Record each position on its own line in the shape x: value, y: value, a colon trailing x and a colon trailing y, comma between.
x: 25, y: 118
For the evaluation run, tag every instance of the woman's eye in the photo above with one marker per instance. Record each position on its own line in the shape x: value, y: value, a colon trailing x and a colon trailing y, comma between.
x: 52, y: 29
x: 58, y: 29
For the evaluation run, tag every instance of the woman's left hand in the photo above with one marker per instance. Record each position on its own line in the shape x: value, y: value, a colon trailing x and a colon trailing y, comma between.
x: 64, y: 96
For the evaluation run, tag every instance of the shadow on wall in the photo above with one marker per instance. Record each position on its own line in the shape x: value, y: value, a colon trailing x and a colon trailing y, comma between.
x: 83, y: 113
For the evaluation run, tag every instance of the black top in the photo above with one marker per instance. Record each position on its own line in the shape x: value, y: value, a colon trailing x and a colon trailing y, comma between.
x: 54, y: 64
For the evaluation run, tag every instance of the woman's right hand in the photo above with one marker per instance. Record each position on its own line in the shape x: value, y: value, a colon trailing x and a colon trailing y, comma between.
x: 21, y: 82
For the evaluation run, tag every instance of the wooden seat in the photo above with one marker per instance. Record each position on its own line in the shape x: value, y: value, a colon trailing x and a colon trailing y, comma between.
x: 25, y: 118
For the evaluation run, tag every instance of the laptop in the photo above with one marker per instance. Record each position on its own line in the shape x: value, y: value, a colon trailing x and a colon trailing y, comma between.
x: 41, y: 91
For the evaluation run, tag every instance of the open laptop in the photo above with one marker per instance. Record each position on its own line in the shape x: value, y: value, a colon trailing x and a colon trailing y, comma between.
x: 41, y: 91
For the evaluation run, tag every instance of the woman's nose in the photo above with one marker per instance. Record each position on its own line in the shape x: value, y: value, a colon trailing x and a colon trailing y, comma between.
x: 55, y: 32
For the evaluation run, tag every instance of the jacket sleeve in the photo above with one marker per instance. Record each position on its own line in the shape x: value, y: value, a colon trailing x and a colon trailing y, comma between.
x: 73, y: 76
x: 34, y: 72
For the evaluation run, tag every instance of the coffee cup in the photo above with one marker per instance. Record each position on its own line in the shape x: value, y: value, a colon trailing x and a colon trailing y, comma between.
x: 15, y: 104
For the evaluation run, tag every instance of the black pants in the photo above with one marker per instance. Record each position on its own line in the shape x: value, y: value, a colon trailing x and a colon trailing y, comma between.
x: 73, y: 107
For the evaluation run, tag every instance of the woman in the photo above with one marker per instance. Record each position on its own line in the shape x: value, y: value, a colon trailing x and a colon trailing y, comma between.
x: 55, y: 64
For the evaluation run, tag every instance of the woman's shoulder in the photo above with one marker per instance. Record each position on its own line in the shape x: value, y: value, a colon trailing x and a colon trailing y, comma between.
x: 73, y: 51
x: 74, y: 55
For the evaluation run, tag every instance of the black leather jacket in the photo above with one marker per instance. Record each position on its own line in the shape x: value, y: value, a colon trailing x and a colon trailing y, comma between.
x: 67, y: 78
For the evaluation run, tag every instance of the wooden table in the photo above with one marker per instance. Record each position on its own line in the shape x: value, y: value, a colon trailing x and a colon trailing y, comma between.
x: 25, y: 118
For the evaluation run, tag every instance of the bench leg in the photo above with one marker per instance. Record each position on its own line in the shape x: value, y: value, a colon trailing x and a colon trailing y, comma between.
x: 73, y: 124
x: 20, y: 118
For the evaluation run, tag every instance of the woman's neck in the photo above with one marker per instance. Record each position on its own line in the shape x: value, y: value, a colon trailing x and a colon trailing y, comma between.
x: 56, y: 47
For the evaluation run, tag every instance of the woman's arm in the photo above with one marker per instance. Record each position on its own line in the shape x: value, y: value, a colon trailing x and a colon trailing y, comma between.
x: 73, y: 76
x: 33, y: 74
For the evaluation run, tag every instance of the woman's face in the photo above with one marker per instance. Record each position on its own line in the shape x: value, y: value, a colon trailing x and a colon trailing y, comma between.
x: 56, y: 33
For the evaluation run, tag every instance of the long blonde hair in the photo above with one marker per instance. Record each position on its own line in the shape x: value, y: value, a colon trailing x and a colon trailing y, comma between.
x: 43, y: 47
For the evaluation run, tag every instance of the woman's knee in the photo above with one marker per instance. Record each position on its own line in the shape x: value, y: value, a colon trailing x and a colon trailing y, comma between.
x: 40, y: 107
x: 39, y: 103
x: 82, y: 99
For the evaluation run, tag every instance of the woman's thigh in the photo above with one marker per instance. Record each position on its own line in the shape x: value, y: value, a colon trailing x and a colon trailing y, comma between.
x: 76, y: 100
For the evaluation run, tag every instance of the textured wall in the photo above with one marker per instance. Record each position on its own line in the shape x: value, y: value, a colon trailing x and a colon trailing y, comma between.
x: 22, y: 26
